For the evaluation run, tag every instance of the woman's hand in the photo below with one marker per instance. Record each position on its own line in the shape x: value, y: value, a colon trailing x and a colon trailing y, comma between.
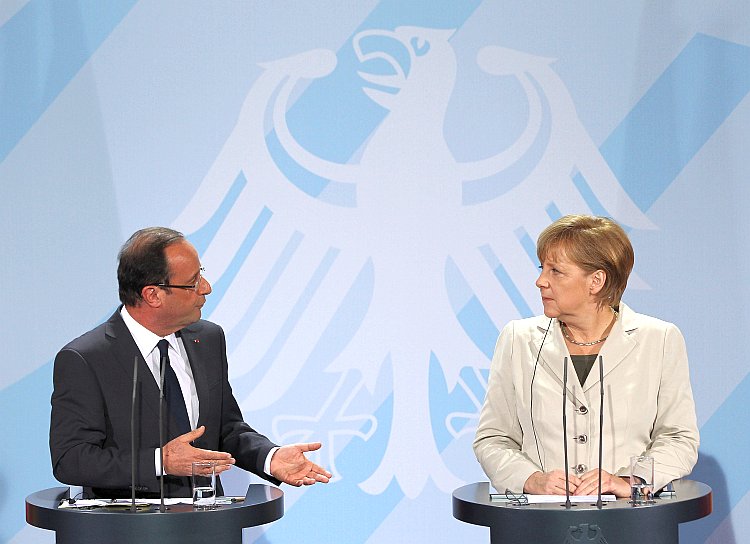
x: 589, y: 484
x: 551, y: 483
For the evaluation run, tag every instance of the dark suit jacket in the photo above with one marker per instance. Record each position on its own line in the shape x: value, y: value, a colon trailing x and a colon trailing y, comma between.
x: 91, y: 404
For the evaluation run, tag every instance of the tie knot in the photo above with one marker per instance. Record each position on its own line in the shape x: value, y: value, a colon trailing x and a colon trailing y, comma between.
x: 163, y: 346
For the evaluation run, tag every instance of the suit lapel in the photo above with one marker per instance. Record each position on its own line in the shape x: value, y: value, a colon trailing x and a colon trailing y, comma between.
x: 125, y: 351
x: 191, y: 340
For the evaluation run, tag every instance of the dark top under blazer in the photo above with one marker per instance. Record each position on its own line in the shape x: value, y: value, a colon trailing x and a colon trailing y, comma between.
x: 91, y: 404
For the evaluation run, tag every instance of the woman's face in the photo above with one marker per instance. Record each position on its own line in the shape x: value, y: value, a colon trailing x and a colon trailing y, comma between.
x: 566, y: 289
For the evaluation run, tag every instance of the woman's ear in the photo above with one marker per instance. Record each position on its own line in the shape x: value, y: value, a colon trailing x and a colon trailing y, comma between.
x: 597, y: 281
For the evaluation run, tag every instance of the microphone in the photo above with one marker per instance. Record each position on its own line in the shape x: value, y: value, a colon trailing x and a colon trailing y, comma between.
x: 599, y: 503
x: 163, y: 366
x: 565, y: 431
x: 132, y: 436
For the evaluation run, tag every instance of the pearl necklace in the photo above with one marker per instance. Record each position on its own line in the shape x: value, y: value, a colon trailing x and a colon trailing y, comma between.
x: 564, y: 329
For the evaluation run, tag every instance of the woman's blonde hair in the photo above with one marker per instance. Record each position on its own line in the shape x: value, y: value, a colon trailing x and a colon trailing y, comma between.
x: 593, y: 243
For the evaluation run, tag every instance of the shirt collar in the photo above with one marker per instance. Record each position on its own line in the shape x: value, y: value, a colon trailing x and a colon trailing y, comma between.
x: 144, y: 338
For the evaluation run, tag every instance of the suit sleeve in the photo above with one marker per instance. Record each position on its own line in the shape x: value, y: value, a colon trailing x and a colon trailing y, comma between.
x: 81, y: 444
x: 249, y: 447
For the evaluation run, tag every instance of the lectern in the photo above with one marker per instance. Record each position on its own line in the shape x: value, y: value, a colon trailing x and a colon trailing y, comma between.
x: 616, y: 523
x: 180, y: 524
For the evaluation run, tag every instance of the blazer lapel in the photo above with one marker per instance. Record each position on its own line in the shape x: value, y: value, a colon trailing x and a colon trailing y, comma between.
x: 551, y: 350
x: 619, y: 344
x: 553, y: 354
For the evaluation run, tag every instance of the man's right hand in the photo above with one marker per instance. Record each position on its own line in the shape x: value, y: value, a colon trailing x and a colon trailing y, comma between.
x: 178, y: 455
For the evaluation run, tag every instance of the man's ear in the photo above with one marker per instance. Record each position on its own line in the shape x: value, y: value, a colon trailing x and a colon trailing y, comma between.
x: 151, y: 296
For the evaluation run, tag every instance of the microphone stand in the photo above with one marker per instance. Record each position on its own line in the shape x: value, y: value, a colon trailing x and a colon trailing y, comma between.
x: 565, y: 431
x: 162, y: 508
x: 132, y: 436
x: 599, y: 502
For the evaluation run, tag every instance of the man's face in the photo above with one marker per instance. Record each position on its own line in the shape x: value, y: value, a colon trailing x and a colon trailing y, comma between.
x: 181, y: 307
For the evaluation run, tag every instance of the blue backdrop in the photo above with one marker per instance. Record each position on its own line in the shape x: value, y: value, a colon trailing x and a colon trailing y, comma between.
x: 364, y: 182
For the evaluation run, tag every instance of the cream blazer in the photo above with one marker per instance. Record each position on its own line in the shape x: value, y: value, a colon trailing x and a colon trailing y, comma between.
x: 648, y: 403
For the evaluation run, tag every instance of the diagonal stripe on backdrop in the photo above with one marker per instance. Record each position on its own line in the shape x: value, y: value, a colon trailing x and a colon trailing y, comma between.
x: 41, y: 49
x: 677, y: 115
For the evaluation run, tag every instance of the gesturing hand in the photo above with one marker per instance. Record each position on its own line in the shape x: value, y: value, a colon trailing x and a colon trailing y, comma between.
x: 178, y: 455
x: 290, y: 465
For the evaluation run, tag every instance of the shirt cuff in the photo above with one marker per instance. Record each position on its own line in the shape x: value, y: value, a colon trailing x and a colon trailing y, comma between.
x: 267, y: 464
x: 157, y: 464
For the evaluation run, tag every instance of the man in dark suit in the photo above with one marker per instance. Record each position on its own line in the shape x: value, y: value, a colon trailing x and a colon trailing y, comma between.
x: 162, y: 291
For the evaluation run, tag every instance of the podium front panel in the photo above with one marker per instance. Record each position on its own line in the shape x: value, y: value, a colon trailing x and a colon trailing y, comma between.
x: 618, y: 522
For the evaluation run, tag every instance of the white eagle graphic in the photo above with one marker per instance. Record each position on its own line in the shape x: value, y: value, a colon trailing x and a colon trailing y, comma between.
x: 408, y: 219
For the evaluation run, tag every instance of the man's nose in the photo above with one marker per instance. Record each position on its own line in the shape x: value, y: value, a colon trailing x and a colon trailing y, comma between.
x: 205, y: 287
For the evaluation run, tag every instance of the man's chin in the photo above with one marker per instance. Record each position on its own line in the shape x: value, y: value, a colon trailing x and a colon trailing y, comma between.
x: 194, y: 317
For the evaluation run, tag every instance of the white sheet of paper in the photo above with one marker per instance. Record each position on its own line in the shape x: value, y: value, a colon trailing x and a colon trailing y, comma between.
x: 93, y: 503
x: 540, y: 499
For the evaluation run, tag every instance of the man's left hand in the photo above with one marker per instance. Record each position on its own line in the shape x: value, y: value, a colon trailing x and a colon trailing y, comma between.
x: 290, y: 465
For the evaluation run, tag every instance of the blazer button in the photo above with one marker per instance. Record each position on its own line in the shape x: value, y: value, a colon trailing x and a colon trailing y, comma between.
x: 583, y: 410
x: 580, y: 469
x: 581, y: 439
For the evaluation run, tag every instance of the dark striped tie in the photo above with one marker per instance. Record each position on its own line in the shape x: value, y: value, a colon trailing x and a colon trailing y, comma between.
x: 173, y: 393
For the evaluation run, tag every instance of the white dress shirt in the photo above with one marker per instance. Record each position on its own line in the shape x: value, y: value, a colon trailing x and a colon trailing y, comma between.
x: 147, y: 345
